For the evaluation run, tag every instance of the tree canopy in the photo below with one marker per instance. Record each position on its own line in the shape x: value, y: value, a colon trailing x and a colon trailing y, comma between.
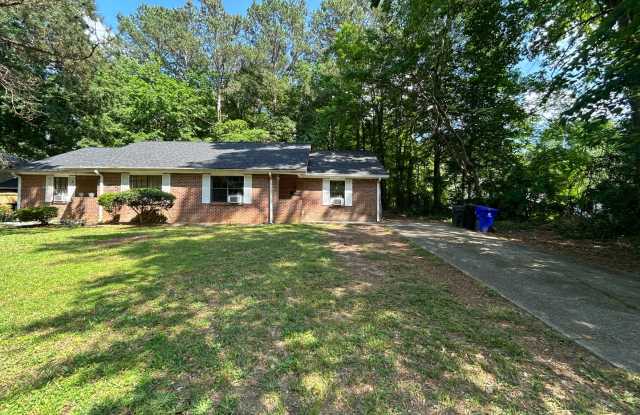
x: 532, y: 106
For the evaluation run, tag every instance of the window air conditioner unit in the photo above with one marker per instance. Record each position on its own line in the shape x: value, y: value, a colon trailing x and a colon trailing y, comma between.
x: 59, y: 197
x: 234, y: 199
x: 337, y: 201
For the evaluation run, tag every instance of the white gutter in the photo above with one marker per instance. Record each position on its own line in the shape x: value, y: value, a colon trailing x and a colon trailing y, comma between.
x: 100, y: 191
x: 340, y: 175
x: 270, y: 198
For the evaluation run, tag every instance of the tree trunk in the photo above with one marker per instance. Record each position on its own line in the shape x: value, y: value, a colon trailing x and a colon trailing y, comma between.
x: 219, y: 105
x: 437, y: 177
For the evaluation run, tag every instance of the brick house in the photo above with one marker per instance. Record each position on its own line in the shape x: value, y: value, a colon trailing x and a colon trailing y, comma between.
x: 249, y: 183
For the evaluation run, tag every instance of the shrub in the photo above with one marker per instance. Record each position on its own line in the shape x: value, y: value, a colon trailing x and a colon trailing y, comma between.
x: 6, y: 213
x: 41, y: 214
x: 110, y: 202
x: 146, y: 202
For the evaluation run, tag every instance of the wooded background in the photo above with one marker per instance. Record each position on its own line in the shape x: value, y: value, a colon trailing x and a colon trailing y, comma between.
x: 531, y: 106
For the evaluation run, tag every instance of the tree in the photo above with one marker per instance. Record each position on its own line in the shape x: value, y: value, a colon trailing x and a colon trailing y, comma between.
x: 141, y: 102
x: 219, y: 34
x: 41, y: 40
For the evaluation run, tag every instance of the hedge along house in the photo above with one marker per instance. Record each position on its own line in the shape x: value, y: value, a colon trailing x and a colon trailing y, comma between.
x: 249, y: 183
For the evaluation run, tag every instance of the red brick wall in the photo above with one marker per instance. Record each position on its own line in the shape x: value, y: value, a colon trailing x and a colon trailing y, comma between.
x: 189, y: 207
x: 33, y: 194
x: 306, y: 205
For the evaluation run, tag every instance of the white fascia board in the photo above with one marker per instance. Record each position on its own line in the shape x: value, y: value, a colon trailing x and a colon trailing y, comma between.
x: 153, y: 171
x: 337, y: 176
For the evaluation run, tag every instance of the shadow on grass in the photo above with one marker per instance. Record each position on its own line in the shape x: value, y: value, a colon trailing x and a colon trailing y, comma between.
x: 261, y: 319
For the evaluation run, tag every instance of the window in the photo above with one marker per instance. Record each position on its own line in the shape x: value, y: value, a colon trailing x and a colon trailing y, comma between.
x: 225, y: 187
x: 137, y: 182
x: 336, y: 189
x: 60, y: 186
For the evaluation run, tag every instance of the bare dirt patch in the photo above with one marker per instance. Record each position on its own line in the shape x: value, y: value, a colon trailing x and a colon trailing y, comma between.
x: 374, y: 253
x: 121, y: 240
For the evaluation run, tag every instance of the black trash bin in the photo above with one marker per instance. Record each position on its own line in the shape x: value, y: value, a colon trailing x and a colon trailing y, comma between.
x: 457, y: 215
x: 469, y: 217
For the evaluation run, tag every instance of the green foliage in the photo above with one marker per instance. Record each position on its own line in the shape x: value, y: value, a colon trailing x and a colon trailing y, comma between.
x: 6, y: 213
x: 110, y: 201
x: 238, y: 130
x: 40, y: 41
x: 141, y: 102
x: 40, y: 214
x: 148, y: 203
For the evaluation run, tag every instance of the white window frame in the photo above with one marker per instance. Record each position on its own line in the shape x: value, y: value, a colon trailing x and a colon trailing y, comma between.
x: 247, y: 187
x: 49, y: 193
x: 326, y: 190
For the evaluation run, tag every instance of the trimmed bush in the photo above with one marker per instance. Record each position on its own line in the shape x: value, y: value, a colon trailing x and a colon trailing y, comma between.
x: 146, y: 202
x: 111, y: 202
x: 41, y: 214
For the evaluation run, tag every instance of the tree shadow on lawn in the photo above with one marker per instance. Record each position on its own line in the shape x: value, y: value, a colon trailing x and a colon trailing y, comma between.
x: 260, y: 319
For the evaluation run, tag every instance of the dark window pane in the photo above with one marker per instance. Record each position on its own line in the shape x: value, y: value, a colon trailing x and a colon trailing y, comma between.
x: 224, y: 186
x: 219, y: 195
x: 137, y: 181
x: 154, y: 181
x: 218, y: 182
x: 336, y: 188
x: 235, y: 181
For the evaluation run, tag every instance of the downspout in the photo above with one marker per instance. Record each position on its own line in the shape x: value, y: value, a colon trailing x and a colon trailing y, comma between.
x: 270, y: 199
x: 378, y: 202
x: 100, y: 190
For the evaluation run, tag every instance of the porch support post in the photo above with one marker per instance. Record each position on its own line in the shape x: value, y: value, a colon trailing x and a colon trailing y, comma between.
x: 100, y: 190
x: 19, y: 192
x: 270, y: 198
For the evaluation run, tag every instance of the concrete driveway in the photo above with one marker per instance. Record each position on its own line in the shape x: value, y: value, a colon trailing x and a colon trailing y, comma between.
x: 597, y: 308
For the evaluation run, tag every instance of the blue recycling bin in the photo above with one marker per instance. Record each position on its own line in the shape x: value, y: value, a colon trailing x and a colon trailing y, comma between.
x: 485, y: 217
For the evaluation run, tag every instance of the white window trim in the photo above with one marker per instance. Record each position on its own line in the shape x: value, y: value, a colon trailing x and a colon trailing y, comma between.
x: 124, y: 182
x: 326, y: 190
x: 247, y: 187
x: 206, y: 188
x: 49, y: 191
x: 166, y: 183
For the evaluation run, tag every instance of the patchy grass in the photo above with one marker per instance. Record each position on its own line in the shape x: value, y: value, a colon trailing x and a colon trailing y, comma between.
x: 621, y: 254
x: 277, y: 319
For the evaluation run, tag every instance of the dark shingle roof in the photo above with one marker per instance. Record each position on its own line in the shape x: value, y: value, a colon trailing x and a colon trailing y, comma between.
x: 201, y: 155
x: 345, y: 162
x: 181, y: 154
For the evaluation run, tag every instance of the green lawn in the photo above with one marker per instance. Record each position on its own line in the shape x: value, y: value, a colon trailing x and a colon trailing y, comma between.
x: 272, y: 319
